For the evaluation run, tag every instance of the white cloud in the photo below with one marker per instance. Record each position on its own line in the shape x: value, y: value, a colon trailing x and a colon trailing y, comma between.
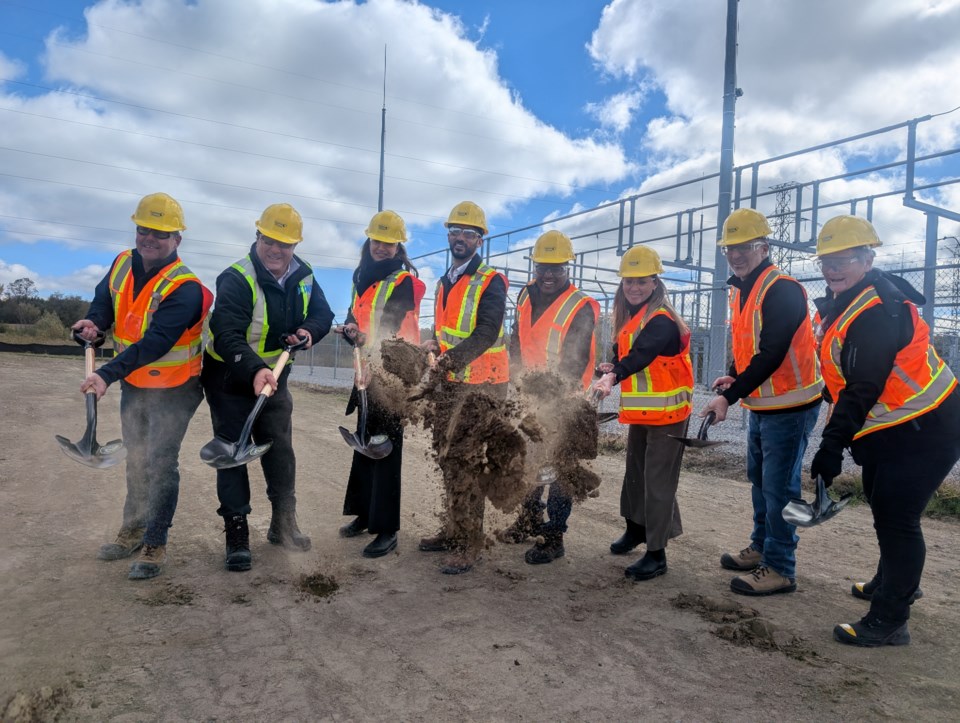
x: 616, y: 112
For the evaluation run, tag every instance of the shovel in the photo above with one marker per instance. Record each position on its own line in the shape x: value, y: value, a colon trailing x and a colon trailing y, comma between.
x: 806, y: 514
x: 221, y: 453
x: 602, y: 417
x: 88, y: 450
x: 700, y: 441
x: 379, y: 445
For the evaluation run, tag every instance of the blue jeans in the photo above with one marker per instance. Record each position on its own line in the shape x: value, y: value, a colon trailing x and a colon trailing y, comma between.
x: 775, y: 447
x: 558, y: 507
x: 154, y: 422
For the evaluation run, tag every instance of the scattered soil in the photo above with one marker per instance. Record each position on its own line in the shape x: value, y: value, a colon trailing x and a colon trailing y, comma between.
x: 404, y: 360
x: 169, y: 594
x: 47, y: 703
x: 317, y: 584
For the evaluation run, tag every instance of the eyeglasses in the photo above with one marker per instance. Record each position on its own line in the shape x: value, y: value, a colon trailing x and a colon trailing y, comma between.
x: 554, y: 270
x: 840, y: 264
x: 271, y: 242
x: 742, y: 248
x: 468, y: 234
x: 159, y: 235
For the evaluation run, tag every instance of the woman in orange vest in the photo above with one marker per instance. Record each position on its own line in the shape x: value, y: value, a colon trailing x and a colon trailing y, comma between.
x: 896, y: 408
x: 655, y: 375
x: 386, y: 303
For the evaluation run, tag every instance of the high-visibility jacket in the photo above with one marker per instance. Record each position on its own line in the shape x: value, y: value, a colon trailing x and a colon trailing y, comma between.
x: 132, y: 318
x: 918, y: 383
x: 456, y: 317
x: 662, y: 393
x: 797, y: 380
x: 259, y: 330
x: 367, y: 308
x: 542, y: 341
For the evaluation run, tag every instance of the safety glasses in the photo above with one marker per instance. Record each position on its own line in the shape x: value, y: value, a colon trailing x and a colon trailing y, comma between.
x: 741, y: 248
x: 159, y: 235
x: 271, y: 242
x: 554, y: 270
x: 468, y: 234
x: 837, y: 265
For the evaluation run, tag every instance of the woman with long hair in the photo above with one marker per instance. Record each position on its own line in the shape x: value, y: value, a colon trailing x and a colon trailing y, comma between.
x: 652, y: 366
x: 386, y: 303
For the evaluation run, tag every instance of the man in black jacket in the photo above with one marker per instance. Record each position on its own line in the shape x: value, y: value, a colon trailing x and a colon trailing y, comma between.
x: 264, y: 301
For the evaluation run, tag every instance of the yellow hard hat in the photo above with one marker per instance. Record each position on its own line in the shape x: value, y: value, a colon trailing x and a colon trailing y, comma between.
x: 846, y: 232
x: 282, y: 223
x: 743, y: 225
x: 467, y: 213
x: 388, y: 227
x: 159, y: 212
x: 553, y: 247
x: 640, y: 261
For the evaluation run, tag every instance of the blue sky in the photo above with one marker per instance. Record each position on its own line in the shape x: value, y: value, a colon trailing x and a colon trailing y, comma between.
x: 528, y: 108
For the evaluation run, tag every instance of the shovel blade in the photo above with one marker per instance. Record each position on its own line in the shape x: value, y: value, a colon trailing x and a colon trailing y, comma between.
x: 804, y: 514
x: 221, y: 454
x: 378, y: 447
x: 101, y: 457
x: 604, y: 417
x: 696, y: 442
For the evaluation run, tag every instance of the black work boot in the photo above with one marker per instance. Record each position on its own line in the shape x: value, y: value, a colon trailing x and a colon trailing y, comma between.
x: 634, y: 536
x: 238, y: 543
x: 549, y: 550
x: 651, y: 565
x: 284, y: 531
x: 872, y: 632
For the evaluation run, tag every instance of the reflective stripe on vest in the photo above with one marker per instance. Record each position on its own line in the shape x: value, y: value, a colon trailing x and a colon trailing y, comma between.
x: 797, y: 380
x: 367, y: 310
x: 259, y: 330
x: 456, y: 318
x: 662, y: 393
x: 542, y: 341
x: 919, y: 381
x: 132, y: 317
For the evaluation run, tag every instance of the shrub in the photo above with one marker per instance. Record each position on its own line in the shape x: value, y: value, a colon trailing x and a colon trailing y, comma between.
x: 48, y: 326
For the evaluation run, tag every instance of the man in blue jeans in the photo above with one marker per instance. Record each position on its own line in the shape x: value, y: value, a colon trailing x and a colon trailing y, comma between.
x: 776, y: 375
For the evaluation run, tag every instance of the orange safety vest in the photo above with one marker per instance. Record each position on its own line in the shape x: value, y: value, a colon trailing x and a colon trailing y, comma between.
x: 542, y: 341
x: 662, y: 393
x: 797, y: 380
x: 367, y: 309
x: 456, y: 317
x: 920, y: 379
x: 132, y: 318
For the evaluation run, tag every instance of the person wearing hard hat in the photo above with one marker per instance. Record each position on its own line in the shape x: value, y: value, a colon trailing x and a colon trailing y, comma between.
x: 896, y: 408
x: 266, y: 300
x: 554, y: 330
x: 470, y: 304
x: 386, y: 303
x: 156, y: 306
x: 775, y: 374
x: 653, y: 368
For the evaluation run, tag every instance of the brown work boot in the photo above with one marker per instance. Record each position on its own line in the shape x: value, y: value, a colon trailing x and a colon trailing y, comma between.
x: 129, y: 540
x: 762, y: 581
x: 285, y: 531
x: 149, y: 562
x: 747, y: 559
x: 545, y: 552
x: 460, y: 562
x: 437, y: 543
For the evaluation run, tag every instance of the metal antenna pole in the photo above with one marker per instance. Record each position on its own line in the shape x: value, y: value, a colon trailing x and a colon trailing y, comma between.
x: 383, y: 127
x: 718, y: 300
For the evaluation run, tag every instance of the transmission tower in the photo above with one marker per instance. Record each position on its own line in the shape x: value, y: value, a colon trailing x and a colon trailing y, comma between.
x: 782, y: 223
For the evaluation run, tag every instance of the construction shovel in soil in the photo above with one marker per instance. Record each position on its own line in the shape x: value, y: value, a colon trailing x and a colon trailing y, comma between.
x: 807, y: 514
x: 379, y: 445
x: 700, y: 440
x: 221, y: 453
x: 88, y: 450
x: 602, y: 417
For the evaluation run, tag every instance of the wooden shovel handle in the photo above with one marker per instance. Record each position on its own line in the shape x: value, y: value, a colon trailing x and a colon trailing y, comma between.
x: 277, y: 371
x: 89, y: 356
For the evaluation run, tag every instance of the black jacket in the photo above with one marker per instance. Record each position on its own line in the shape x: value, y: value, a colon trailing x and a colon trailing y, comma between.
x: 784, y: 309
x: 490, y: 313
x: 659, y: 337
x: 400, y: 302
x: 233, y: 314
x: 177, y: 313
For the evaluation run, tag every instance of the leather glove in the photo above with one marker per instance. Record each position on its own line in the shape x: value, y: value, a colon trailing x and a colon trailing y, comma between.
x: 828, y: 464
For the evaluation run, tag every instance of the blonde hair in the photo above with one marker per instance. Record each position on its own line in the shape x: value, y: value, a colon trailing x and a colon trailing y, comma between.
x: 658, y: 299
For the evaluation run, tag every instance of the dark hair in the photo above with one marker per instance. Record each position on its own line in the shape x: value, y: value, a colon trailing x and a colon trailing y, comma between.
x: 658, y: 299
x: 366, y: 258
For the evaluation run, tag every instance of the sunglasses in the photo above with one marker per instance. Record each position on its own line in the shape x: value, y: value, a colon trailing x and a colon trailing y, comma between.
x: 550, y: 270
x: 159, y: 235
x: 468, y: 234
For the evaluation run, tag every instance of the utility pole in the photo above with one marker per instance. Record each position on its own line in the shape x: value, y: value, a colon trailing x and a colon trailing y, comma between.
x: 383, y: 127
x: 718, y: 296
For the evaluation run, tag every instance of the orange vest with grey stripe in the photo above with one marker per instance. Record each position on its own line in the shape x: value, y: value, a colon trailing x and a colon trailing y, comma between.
x: 920, y: 379
x: 132, y: 318
x: 367, y: 309
x: 662, y: 393
x: 797, y: 380
x: 456, y: 318
x: 542, y: 341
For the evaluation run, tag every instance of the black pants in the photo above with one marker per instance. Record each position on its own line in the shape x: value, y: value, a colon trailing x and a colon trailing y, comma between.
x: 373, y: 488
x: 902, y: 468
x: 229, y: 412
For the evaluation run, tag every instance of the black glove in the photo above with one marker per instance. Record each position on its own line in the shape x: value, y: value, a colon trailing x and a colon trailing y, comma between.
x: 828, y: 464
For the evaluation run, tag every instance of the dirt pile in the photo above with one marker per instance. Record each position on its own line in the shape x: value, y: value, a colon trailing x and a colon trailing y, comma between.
x: 47, y: 703
x: 404, y: 360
